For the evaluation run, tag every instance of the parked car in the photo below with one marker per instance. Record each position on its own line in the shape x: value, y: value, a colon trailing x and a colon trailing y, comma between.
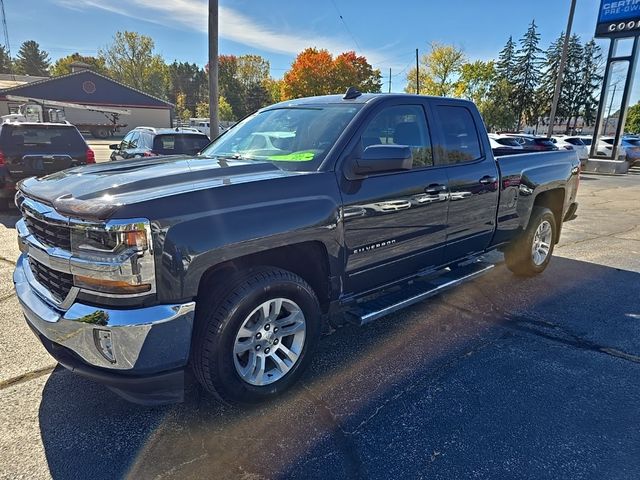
x: 150, y: 142
x: 631, y: 146
x: 572, y: 142
x: 503, y: 145
x: 29, y: 149
x: 533, y: 143
x: 627, y: 151
x: 229, y: 262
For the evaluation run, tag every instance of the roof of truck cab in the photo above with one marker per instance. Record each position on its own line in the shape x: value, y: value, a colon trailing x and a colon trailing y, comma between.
x: 361, y: 99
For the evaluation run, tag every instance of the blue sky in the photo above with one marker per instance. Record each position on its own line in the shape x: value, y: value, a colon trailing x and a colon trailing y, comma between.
x: 387, y: 32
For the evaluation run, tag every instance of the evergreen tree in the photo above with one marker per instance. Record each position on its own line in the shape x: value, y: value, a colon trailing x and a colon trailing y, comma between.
x: 5, y: 61
x: 31, y: 60
x: 590, y: 79
x: 550, y: 76
x: 506, y: 60
x: 526, y: 72
x: 571, y: 81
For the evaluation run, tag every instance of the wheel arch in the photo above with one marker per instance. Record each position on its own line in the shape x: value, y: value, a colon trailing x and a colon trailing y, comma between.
x: 553, y: 199
x: 309, y: 260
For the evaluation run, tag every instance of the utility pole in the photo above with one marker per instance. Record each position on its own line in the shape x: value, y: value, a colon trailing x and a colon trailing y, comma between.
x: 417, y: 74
x: 389, y: 80
x: 563, y: 61
x: 213, y: 69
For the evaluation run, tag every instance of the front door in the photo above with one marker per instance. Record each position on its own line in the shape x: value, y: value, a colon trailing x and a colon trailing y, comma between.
x: 395, y: 223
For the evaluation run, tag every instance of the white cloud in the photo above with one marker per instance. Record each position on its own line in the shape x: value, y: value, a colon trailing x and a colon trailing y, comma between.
x: 233, y: 25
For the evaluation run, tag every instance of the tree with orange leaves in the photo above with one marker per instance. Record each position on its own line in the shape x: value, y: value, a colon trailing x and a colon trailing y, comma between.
x: 317, y: 72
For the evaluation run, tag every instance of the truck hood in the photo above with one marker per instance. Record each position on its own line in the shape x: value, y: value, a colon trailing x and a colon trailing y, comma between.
x: 96, y: 191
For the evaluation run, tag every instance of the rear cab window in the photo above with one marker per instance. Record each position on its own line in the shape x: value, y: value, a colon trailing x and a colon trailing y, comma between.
x: 460, y: 141
x: 42, y: 138
x: 179, y: 143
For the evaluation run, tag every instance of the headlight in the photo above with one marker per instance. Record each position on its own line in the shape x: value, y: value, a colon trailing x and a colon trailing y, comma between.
x: 114, y: 258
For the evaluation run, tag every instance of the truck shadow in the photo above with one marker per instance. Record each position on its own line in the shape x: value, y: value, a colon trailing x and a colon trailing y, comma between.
x: 9, y: 218
x: 378, y: 372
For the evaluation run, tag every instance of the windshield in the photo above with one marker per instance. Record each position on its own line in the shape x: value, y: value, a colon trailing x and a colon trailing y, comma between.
x: 294, y: 138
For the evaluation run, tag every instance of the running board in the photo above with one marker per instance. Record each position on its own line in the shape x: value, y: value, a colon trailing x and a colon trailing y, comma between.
x: 415, y: 292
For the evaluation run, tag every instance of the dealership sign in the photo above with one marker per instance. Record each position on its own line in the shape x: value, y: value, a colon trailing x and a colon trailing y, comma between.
x: 618, y: 18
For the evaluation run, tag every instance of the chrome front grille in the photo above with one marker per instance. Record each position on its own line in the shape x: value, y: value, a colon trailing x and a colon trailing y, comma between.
x: 58, y: 283
x: 49, y: 233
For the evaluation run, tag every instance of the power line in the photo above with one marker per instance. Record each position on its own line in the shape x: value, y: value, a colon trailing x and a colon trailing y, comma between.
x: 346, y: 26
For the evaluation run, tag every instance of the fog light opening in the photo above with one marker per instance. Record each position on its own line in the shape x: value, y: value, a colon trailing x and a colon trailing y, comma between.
x: 104, y: 344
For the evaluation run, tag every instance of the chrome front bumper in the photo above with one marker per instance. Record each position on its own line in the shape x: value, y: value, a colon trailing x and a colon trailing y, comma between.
x: 144, y: 340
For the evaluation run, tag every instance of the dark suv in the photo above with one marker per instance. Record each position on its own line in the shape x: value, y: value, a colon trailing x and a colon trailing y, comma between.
x: 38, y: 149
x: 149, y: 142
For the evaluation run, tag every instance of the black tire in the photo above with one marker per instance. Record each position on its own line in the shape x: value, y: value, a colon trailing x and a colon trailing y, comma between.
x: 101, y: 133
x: 519, y: 255
x: 221, y: 314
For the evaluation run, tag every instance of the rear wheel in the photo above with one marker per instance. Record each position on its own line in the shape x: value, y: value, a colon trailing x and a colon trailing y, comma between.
x: 101, y: 133
x: 255, y: 337
x: 530, y: 253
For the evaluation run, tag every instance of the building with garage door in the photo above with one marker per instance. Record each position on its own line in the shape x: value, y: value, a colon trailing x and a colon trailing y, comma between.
x: 92, y: 90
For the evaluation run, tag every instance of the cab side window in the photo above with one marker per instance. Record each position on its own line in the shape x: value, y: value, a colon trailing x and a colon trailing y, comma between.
x: 460, y: 136
x: 133, y: 141
x: 126, y: 141
x: 402, y: 125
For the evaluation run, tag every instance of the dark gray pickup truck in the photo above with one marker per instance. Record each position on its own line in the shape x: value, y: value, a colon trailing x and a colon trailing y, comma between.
x: 327, y: 209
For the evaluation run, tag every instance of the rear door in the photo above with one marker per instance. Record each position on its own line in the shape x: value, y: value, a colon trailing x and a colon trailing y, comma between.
x: 36, y: 150
x: 472, y: 178
x: 394, y: 223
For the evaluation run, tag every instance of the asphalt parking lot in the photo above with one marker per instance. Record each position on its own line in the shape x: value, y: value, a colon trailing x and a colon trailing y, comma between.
x: 501, y: 378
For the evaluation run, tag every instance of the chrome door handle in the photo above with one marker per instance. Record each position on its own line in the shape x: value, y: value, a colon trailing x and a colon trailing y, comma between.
x: 435, y: 188
x: 488, y: 180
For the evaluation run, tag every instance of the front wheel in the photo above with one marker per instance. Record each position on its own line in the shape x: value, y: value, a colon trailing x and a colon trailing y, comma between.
x: 530, y: 253
x: 255, y: 336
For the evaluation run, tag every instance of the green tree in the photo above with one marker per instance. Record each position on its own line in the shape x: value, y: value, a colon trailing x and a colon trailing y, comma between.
x: 31, y: 60
x: 251, y: 73
x: 274, y: 87
x: 130, y: 59
x: 190, y: 80
x: 182, y: 112
x: 440, y: 71
x: 590, y: 80
x: 526, y: 73
x: 506, y: 60
x: 225, y: 112
x: 5, y: 61
x: 498, y: 111
x: 476, y: 80
x: 62, y: 66
x: 228, y: 84
x: 571, y: 82
x: 548, y: 80
x: 632, y: 124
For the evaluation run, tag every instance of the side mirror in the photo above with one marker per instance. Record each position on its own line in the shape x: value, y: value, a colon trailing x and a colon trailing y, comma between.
x: 383, y: 158
x: 114, y: 146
